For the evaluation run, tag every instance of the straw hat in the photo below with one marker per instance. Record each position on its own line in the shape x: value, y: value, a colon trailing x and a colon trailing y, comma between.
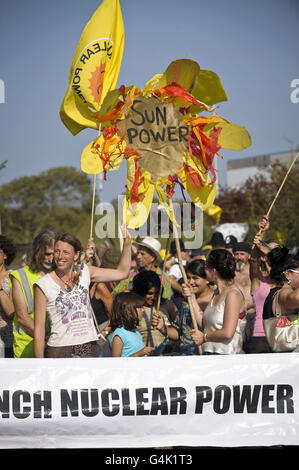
x: 151, y: 244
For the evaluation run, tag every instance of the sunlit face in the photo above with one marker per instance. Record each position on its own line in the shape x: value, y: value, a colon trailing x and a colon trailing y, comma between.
x: 150, y: 297
x: 64, y: 255
x: 242, y: 256
x: 144, y: 258
x: 198, y: 284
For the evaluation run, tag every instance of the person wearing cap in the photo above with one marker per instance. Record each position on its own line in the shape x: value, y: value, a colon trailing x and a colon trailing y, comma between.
x: 217, y: 241
x: 148, y: 258
x: 242, y: 254
x: 174, y: 272
x: 242, y: 251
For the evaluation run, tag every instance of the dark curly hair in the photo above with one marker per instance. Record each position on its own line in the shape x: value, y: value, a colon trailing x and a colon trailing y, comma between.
x: 144, y: 281
x: 224, y: 263
x: 123, y: 312
x: 280, y: 260
x: 8, y: 247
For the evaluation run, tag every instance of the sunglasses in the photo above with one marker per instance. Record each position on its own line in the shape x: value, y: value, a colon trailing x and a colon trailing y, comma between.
x: 294, y: 271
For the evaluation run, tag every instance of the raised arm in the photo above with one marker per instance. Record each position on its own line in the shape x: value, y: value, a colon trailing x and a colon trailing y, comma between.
x: 122, y: 270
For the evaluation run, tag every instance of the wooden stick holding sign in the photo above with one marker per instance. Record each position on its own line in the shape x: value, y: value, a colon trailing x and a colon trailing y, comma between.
x: 92, y: 207
x: 280, y: 188
x: 163, y: 272
x: 282, y: 184
x: 93, y: 198
x: 179, y: 254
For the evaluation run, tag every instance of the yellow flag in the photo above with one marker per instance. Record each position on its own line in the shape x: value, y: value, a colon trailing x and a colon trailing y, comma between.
x: 95, y: 67
x: 214, y: 211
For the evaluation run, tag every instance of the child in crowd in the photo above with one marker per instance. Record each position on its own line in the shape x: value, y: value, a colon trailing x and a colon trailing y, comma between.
x: 126, y: 312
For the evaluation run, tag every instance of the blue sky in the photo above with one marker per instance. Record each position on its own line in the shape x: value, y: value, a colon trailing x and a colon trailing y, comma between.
x: 251, y: 44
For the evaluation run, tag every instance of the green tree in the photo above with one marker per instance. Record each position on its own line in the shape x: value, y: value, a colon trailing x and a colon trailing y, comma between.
x: 60, y: 197
x: 250, y: 202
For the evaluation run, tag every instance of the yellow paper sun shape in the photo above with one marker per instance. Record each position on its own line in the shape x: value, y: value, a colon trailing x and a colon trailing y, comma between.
x: 165, y: 138
x: 96, y: 82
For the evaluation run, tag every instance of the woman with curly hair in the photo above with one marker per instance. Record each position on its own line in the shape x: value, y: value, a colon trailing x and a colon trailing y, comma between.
x: 7, y: 255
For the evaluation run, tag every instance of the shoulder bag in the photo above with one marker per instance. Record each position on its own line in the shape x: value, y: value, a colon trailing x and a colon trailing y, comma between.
x: 282, y: 331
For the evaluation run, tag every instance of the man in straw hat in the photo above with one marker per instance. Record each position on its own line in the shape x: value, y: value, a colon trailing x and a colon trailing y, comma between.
x: 148, y: 258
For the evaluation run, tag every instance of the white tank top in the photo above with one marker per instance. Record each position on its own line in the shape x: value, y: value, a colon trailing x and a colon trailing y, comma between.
x: 70, y: 315
x: 212, y: 321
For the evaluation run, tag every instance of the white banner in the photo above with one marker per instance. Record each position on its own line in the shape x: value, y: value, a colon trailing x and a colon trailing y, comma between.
x: 225, y: 401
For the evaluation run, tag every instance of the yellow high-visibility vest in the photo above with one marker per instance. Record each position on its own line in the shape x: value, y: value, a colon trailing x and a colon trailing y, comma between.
x: 23, y: 343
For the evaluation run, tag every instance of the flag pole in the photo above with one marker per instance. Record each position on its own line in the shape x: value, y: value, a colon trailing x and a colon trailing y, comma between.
x: 163, y: 272
x: 92, y: 207
x: 93, y: 197
x: 282, y: 184
x: 279, y: 190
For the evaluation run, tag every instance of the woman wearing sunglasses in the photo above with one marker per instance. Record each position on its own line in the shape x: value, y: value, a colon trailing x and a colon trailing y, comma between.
x: 285, y: 271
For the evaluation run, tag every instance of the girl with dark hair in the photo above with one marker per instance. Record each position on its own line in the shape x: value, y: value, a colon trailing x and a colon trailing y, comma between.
x: 200, y: 292
x: 201, y: 288
x: 7, y: 255
x: 283, y: 298
x: 126, y: 312
x: 153, y: 326
x: 222, y: 332
x: 147, y: 284
x: 63, y: 295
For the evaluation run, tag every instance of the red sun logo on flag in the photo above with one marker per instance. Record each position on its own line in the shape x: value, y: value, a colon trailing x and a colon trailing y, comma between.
x: 96, y: 82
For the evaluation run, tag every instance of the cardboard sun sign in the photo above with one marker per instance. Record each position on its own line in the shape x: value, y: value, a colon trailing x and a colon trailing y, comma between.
x: 155, y: 129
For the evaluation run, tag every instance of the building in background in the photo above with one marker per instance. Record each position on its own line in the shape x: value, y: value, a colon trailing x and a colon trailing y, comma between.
x: 238, y: 171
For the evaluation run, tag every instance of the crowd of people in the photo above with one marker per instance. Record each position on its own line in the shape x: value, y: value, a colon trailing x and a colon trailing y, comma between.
x: 66, y: 301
